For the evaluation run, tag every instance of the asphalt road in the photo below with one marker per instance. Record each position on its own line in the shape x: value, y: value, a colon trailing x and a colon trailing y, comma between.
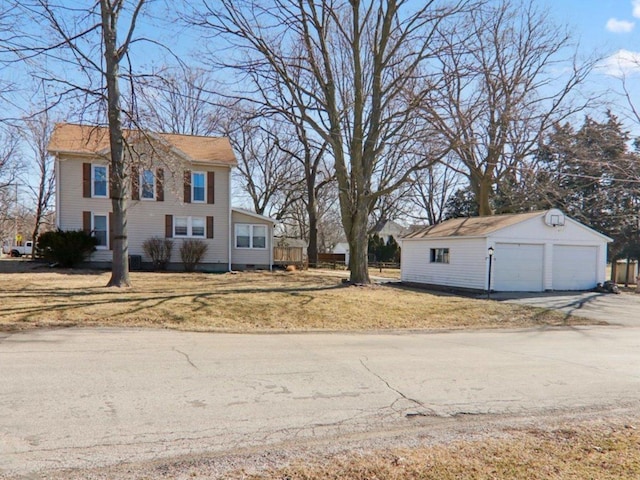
x: 78, y: 398
x: 623, y: 309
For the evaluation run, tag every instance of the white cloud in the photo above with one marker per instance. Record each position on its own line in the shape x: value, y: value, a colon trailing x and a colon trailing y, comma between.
x: 620, y: 26
x: 636, y: 8
x: 621, y: 64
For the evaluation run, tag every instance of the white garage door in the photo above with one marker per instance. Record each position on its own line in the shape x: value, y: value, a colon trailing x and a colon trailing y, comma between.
x: 574, y: 267
x: 518, y: 267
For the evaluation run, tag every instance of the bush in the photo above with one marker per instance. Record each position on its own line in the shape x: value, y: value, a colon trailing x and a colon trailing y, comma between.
x: 159, y: 250
x: 191, y: 252
x: 66, y: 248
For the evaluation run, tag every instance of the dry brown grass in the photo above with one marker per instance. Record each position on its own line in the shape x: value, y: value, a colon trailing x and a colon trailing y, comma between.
x: 601, y: 453
x: 245, y: 302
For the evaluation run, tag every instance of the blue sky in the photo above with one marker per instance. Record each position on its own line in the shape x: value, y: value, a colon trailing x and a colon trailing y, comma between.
x: 603, y: 26
x: 610, y: 30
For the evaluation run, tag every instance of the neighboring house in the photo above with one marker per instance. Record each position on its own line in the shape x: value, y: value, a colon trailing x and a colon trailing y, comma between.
x: 386, y: 229
x: 180, y: 189
x: 342, y: 248
x: 533, y: 251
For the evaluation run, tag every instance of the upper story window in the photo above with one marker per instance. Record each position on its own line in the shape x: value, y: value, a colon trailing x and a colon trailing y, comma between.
x: 251, y: 236
x: 99, y: 181
x: 439, y: 255
x: 147, y: 185
x: 198, y: 187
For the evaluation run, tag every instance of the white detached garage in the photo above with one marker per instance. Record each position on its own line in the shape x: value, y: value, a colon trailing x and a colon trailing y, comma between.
x: 531, y: 252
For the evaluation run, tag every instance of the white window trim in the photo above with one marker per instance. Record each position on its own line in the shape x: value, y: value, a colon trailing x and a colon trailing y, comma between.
x: 193, y: 187
x: 153, y: 187
x: 189, y: 227
x: 251, y: 235
x: 93, y: 228
x: 93, y: 180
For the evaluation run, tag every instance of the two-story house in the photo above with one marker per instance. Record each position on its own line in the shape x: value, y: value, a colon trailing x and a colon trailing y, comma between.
x: 180, y: 188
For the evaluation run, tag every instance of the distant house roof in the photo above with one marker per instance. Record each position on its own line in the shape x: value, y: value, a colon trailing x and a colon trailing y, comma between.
x: 290, y: 242
x: 472, y: 226
x: 86, y: 139
x: 388, y: 227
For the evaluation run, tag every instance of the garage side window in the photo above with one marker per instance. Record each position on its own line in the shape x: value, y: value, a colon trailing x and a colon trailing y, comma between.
x: 439, y: 255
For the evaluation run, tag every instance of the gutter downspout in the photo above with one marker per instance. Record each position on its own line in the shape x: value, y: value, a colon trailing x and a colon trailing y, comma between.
x: 271, y: 248
x: 230, y: 224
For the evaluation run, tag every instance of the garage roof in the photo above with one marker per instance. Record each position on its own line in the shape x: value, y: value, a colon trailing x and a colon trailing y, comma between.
x: 472, y: 226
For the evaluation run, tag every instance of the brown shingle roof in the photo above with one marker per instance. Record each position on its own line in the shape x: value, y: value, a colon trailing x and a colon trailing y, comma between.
x: 473, y: 226
x: 87, y: 139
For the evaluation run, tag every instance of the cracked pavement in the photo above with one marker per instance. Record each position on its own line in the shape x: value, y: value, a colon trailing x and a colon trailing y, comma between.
x: 92, y: 398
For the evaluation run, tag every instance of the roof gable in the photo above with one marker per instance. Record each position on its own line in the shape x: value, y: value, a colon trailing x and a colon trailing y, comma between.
x: 93, y: 140
x: 253, y: 214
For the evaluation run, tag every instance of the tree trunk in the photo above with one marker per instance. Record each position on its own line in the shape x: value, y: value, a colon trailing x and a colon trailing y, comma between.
x: 358, y: 258
x: 38, y: 220
x: 117, y: 174
x: 312, y: 249
x: 356, y: 230
x: 312, y: 213
x: 482, y: 192
x: 614, y: 270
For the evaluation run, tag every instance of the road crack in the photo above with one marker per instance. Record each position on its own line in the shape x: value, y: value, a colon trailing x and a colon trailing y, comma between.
x: 399, y: 392
x: 186, y: 356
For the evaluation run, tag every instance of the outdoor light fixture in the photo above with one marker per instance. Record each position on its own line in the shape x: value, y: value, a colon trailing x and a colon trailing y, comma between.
x: 490, y: 251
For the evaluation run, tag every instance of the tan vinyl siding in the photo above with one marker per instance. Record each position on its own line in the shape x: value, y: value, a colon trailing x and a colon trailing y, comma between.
x: 147, y: 218
x: 249, y: 256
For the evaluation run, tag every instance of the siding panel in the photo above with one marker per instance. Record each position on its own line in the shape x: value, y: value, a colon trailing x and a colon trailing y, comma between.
x: 467, y: 267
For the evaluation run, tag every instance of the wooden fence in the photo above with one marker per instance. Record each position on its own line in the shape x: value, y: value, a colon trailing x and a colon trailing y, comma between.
x: 289, y: 256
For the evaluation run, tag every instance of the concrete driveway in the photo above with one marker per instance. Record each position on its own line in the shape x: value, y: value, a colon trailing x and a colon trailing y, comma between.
x: 92, y: 398
x: 622, y: 309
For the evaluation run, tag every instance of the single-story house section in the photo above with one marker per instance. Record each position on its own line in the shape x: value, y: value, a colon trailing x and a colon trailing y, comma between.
x: 528, y: 252
x: 252, y: 245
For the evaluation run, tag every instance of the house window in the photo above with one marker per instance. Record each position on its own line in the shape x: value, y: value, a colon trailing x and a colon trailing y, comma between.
x: 251, y: 236
x: 189, y: 227
x: 439, y: 255
x: 148, y: 185
x: 100, y: 230
x: 197, y: 227
x: 198, y: 187
x: 99, y: 181
x: 259, y: 237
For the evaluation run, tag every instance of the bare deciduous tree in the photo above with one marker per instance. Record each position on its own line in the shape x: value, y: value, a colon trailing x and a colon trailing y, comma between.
x: 36, y: 135
x: 266, y: 172
x: 506, y: 78
x: 354, y: 65
x: 84, y: 56
x: 180, y: 102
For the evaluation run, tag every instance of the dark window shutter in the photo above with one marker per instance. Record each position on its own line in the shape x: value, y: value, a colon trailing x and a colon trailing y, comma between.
x: 160, y: 185
x: 86, y: 180
x: 111, y: 235
x: 187, y: 186
x: 211, y: 187
x: 86, y: 222
x: 168, y: 226
x: 135, y: 183
x: 209, y: 227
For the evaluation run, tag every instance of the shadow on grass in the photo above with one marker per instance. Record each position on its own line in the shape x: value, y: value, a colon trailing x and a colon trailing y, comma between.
x: 134, y: 302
